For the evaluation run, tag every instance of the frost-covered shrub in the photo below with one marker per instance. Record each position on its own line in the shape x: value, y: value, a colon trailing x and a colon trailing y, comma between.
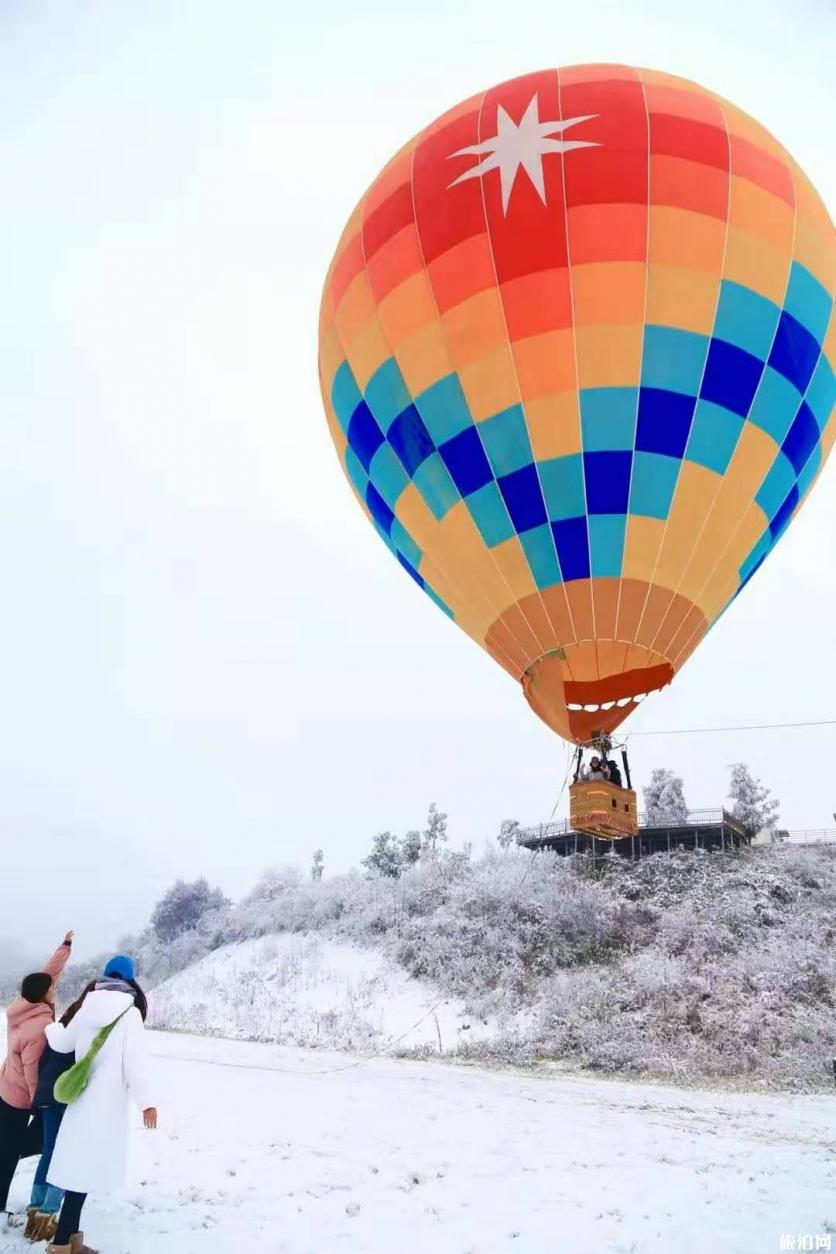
x: 732, y: 973
x: 510, y: 922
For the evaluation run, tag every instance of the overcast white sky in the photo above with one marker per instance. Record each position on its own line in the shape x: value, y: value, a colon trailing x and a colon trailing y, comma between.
x: 208, y: 661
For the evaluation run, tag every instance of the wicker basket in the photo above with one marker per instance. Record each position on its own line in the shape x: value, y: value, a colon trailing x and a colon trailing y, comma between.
x: 600, y: 808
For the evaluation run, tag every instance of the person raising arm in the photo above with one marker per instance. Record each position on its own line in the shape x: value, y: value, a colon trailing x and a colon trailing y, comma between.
x: 26, y: 1020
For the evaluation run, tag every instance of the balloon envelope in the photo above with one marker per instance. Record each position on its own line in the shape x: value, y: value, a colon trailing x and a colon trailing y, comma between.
x: 576, y: 355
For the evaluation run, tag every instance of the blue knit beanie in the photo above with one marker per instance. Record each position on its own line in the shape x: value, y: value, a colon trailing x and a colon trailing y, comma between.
x: 120, y: 968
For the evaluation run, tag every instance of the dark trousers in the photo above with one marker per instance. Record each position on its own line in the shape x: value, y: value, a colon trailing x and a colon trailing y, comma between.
x: 47, y: 1197
x: 20, y: 1137
x: 69, y: 1220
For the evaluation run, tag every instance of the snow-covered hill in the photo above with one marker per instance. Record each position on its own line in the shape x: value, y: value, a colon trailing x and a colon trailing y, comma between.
x: 691, y: 967
x: 303, y: 989
x: 711, y: 967
x: 286, y: 1151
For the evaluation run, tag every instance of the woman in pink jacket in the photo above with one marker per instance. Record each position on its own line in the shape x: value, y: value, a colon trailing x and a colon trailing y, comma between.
x: 26, y: 1020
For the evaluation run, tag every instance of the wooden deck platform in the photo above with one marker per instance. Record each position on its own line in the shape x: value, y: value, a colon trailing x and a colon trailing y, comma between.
x: 704, y: 829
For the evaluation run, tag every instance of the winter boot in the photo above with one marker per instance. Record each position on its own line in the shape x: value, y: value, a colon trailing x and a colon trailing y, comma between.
x: 59, y: 1249
x: 77, y: 1245
x: 45, y: 1225
x: 29, y: 1232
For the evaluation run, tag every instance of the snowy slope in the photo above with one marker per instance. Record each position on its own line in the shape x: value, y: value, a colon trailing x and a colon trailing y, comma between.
x: 306, y: 990
x: 259, y: 1150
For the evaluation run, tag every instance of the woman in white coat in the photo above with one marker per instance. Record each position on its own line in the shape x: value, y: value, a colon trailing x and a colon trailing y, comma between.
x: 90, y: 1154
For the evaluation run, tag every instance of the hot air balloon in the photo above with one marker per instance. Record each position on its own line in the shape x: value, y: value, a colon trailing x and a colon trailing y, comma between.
x: 577, y: 359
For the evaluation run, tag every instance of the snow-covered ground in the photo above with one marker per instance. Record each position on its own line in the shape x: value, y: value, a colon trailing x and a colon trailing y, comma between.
x: 300, y: 989
x: 281, y: 1149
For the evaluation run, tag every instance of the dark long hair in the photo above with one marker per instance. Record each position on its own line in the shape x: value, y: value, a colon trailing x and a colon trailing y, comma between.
x: 71, y: 1011
x: 140, y: 1001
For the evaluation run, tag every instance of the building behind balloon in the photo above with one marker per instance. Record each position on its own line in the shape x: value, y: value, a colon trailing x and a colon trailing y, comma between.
x: 576, y: 355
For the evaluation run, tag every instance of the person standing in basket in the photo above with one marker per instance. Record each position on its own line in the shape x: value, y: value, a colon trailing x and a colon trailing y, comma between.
x: 90, y: 1154
x: 26, y: 1018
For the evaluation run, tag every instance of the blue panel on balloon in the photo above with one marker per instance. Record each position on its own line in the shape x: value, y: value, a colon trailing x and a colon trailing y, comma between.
x: 808, y: 302
x: 608, y: 418
x: 410, y: 439
x: 673, y: 360
x: 731, y: 377
x: 345, y: 395
x: 386, y: 393
x: 652, y: 487
x: 436, y: 487
x: 664, y: 422
x: 746, y: 319
x: 505, y: 439
x: 384, y: 535
x: 465, y: 459
x: 811, y: 468
x: 490, y: 514
x: 781, y: 520
x: 802, y: 438
x: 821, y: 393
x: 387, y: 474
x: 606, y: 541
x: 410, y: 569
x: 795, y: 352
x: 607, y: 478
x: 356, y: 473
x: 378, y: 509
x: 756, y: 556
x: 775, y: 405
x: 406, y: 544
x: 521, y: 493
x: 444, y: 409
x: 539, y: 548
x: 776, y: 486
x: 563, y: 487
x: 715, y: 432
x: 572, y: 540
x: 364, y: 435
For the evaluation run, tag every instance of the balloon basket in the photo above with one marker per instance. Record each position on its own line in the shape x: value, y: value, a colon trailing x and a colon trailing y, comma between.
x: 602, y: 809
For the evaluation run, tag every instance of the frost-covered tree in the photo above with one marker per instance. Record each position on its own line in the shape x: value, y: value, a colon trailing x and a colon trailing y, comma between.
x: 509, y: 830
x: 754, y: 806
x: 436, y: 829
x: 385, y: 858
x: 276, y: 882
x: 318, y: 864
x: 456, y: 863
x: 183, y: 906
x: 664, y: 798
x: 411, y: 848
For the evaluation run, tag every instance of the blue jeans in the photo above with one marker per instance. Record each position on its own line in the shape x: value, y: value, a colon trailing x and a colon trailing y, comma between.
x: 45, y: 1196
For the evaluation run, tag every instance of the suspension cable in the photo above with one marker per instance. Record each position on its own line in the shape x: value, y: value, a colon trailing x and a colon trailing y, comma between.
x: 700, y: 731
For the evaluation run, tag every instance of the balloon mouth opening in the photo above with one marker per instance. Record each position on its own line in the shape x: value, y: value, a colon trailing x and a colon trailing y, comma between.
x: 583, y: 709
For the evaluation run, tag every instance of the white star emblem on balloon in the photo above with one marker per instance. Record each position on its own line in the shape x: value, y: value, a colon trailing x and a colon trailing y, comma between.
x: 521, y: 146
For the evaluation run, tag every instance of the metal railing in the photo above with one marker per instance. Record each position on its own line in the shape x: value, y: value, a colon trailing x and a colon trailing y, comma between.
x: 811, y: 836
x: 694, y: 818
